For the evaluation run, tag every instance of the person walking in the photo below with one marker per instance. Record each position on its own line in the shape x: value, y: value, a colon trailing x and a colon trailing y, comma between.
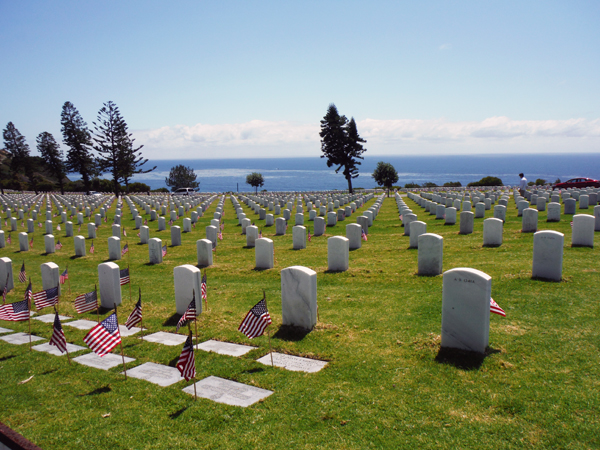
x: 522, y: 185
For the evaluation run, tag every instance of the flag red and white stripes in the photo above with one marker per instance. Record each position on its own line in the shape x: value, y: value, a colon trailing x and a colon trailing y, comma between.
x: 187, y: 362
x: 104, y: 337
x: 86, y: 302
x: 125, y: 250
x: 45, y: 298
x: 136, y: 315
x: 124, y: 276
x: 256, y: 320
x: 203, y: 287
x: 64, y: 276
x: 15, y: 312
x: 494, y: 308
x: 363, y: 234
x: 58, y: 338
x: 92, y: 248
x: 189, y: 314
x: 164, y: 251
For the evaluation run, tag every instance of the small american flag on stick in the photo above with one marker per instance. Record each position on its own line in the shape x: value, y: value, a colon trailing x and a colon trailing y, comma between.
x: 86, y: 302
x: 104, y: 337
x: 187, y: 362
x: 136, y: 315
x: 124, y: 276
x: 64, y: 276
x: 45, y: 298
x: 92, y: 248
x: 58, y: 245
x: 22, y: 274
x: 164, y: 250
x: 363, y: 234
x: 495, y: 308
x: 189, y: 314
x: 15, y: 312
x: 58, y: 336
x: 125, y: 250
x: 256, y: 321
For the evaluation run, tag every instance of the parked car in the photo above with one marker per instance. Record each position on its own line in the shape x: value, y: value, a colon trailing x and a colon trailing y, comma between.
x: 577, y: 183
x: 184, y: 191
x: 95, y: 194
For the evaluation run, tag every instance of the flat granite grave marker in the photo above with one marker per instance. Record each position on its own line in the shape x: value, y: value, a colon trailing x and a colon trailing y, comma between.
x: 5, y: 330
x: 105, y: 362
x: 82, y: 324
x: 49, y: 318
x: 156, y: 374
x: 466, y: 297
x: 225, y: 348
x: 228, y: 392
x: 164, y: 338
x: 20, y: 338
x: 53, y: 350
x: 293, y: 363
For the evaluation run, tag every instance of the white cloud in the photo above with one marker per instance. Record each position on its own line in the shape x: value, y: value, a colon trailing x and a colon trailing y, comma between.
x: 259, y: 138
x: 445, y: 46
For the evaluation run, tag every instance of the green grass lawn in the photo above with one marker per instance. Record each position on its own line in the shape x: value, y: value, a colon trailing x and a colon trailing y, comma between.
x: 379, y: 328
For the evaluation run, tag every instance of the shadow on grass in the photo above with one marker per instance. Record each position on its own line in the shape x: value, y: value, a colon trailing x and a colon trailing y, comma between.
x: 75, y: 257
x: 6, y: 358
x: 172, y: 321
x: 173, y: 362
x: 290, y: 333
x: 102, y: 310
x: 255, y: 370
x: 48, y: 371
x: 463, y: 359
x: 102, y: 390
x: 176, y: 414
x: 260, y: 269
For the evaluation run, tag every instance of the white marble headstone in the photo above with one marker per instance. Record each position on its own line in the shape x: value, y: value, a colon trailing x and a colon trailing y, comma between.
x: 228, y: 392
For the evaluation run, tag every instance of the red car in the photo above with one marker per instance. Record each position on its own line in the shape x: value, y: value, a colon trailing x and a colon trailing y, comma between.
x: 577, y: 183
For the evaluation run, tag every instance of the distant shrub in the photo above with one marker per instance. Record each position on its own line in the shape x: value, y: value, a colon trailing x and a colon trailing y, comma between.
x: 162, y: 189
x: 429, y: 184
x: 487, y: 181
x: 138, y: 187
x: 452, y: 184
x: 557, y: 181
x: 411, y: 185
x: 540, y: 182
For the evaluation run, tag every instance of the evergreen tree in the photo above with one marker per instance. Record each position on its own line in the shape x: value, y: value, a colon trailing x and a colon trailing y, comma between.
x: 78, y: 139
x: 132, y: 161
x: 385, y: 175
x: 18, y: 148
x: 341, y: 144
x: 51, y: 152
x: 181, y: 176
x: 255, y: 180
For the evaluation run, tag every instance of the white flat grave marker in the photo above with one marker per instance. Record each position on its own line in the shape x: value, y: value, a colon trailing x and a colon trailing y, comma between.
x: 5, y: 330
x: 20, y: 338
x: 125, y: 332
x: 225, y: 348
x: 166, y: 338
x: 53, y: 350
x: 49, y: 318
x: 104, y: 363
x: 229, y: 392
x: 82, y: 324
x: 293, y: 363
x: 156, y: 373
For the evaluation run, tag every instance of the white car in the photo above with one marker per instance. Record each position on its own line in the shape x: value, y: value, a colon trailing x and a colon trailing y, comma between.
x: 183, y: 191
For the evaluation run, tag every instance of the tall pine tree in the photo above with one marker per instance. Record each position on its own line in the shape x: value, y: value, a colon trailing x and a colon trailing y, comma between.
x: 18, y: 148
x: 78, y: 139
x: 51, y: 152
x: 341, y: 144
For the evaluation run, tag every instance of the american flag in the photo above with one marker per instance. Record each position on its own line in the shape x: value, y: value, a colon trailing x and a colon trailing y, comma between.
x: 189, y: 314
x: 136, y: 315
x: 45, y: 298
x: 203, y: 287
x: 28, y: 292
x: 256, y: 320
x: 187, y: 363
x: 495, y: 308
x: 104, y: 337
x: 170, y: 222
x: 124, y: 276
x: 58, y: 245
x: 64, y: 276
x: 222, y: 226
x: 79, y: 229
x: 363, y: 234
x: 22, y: 224
x: 40, y: 224
x: 15, y: 312
x: 92, y: 247
x: 125, y: 250
x: 31, y: 242
x: 105, y: 218
x: 58, y: 227
x: 86, y: 302
x: 164, y: 250
x: 194, y: 224
x: 260, y: 233
x: 124, y: 232
x: 58, y: 336
x: 145, y: 221
x: 220, y: 235
x: 400, y: 216
x: 138, y: 234
x: 22, y: 274
x: 214, y: 246
x: 9, y: 239
x: 309, y: 236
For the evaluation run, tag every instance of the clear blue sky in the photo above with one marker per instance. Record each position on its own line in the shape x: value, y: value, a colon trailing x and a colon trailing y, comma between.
x: 197, y: 79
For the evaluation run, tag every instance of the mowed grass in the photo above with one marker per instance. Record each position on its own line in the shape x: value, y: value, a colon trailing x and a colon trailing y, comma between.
x: 379, y: 328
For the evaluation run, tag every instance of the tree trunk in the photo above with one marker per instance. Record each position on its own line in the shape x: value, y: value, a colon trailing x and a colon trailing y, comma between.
x: 349, y: 178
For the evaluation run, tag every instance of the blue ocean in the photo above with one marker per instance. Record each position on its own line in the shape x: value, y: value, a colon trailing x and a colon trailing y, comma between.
x: 310, y: 174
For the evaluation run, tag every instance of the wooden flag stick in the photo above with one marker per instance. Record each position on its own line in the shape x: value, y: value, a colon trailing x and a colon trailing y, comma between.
x: 196, y: 319
x: 142, y: 318
x: 29, y: 318
x: 97, y: 306
x: 66, y: 349
x: 121, y: 344
x: 269, y: 336
x: 193, y: 378
x: 129, y: 271
x: 69, y: 279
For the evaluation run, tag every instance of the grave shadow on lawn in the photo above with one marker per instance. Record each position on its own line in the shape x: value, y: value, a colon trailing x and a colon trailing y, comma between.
x: 463, y: 359
x: 176, y: 414
x: 101, y: 390
x: 172, y: 321
x: 75, y: 257
x: 6, y: 358
x: 291, y: 333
